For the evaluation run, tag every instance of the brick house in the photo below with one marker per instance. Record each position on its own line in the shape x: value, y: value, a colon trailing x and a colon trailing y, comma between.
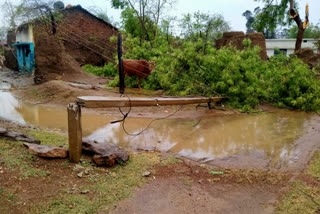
x: 83, y: 24
x: 81, y: 38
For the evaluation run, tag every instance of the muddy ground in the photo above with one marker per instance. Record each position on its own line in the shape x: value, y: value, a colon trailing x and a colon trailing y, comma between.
x: 176, y: 185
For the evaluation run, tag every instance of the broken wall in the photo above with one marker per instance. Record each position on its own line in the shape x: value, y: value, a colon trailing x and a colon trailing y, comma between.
x: 52, y: 60
x: 235, y: 39
x: 78, y: 28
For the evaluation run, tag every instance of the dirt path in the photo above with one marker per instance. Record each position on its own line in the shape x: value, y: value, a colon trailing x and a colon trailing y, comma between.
x: 173, y: 196
x: 178, y: 190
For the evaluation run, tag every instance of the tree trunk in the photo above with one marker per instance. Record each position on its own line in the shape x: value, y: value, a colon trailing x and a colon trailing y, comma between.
x: 300, y: 30
x: 295, y: 16
x: 299, y: 38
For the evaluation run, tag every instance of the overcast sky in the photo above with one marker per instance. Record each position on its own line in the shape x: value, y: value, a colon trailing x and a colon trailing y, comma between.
x: 231, y: 9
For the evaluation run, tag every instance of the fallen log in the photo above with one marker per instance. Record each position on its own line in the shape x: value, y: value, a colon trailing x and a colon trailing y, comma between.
x: 105, y: 153
x: 17, y: 136
x: 47, y: 151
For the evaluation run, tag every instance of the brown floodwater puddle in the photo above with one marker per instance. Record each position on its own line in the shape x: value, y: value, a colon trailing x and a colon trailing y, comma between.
x: 214, y: 137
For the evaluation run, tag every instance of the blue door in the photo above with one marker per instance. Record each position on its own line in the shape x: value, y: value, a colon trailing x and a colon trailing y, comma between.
x: 25, y: 56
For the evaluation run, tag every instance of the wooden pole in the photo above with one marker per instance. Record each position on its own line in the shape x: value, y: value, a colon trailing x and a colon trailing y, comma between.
x: 108, y: 102
x: 121, y: 71
x: 74, y: 132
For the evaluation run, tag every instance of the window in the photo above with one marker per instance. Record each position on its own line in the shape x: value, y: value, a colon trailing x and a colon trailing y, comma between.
x: 282, y: 51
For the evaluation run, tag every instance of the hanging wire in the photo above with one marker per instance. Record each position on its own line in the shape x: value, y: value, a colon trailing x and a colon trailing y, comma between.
x: 135, y: 62
x: 106, y: 57
x: 125, y: 116
x: 82, y: 35
x: 87, y: 40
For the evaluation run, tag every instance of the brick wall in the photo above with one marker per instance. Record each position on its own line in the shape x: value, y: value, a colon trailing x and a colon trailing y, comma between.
x: 94, y: 33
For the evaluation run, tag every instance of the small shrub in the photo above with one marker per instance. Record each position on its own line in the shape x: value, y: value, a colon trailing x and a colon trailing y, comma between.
x: 108, y: 70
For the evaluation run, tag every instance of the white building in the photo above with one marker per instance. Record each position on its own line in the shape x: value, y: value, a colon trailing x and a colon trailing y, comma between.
x: 288, y: 45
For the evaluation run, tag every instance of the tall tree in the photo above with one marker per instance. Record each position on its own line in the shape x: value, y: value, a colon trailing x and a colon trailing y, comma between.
x: 11, y: 13
x: 148, y: 13
x: 250, y: 20
x: 27, y: 10
x: 203, y: 25
x: 274, y: 13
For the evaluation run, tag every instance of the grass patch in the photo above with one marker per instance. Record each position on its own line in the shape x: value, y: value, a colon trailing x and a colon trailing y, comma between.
x: 105, y: 189
x: 16, y: 157
x: 303, y: 197
x: 170, y: 161
x: 300, y: 199
x: 314, y: 168
x: 49, y: 138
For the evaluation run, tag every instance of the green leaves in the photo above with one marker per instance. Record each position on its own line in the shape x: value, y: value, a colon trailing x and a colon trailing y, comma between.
x: 241, y: 76
x: 109, y: 70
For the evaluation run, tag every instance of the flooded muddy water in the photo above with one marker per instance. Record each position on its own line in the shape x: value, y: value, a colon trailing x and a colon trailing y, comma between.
x: 272, y: 135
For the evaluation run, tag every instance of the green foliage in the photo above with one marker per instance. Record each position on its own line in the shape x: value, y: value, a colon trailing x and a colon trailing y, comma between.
x: 270, y: 16
x: 130, y: 22
x: 250, y: 19
x: 314, y: 167
x: 307, y: 194
x: 16, y: 157
x: 203, y: 25
x: 108, y: 70
x: 119, y: 4
x: 300, y: 199
x: 312, y: 31
x: 241, y: 76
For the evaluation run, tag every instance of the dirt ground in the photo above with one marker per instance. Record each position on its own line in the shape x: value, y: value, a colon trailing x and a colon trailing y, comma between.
x: 185, y: 188
x: 175, y: 185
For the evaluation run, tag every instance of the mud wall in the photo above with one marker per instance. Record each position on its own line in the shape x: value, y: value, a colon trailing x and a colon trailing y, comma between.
x: 235, y: 39
x: 309, y: 57
x: 78, y: 37
x: 52, y: 60
x: 78, y: 28
x: 10, y: 52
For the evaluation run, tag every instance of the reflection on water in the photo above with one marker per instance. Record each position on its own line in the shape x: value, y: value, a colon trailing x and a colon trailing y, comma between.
x: 8, y: 111
x: 215, y: 137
